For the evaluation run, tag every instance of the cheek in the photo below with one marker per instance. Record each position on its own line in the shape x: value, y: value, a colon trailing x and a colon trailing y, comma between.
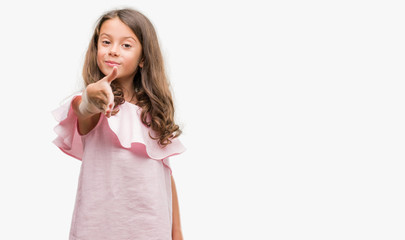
x: 100, y: 57
x: 135, y: 58
x: 100, y: 60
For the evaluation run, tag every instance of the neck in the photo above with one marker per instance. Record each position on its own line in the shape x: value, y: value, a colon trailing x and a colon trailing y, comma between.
x: 127, y: 86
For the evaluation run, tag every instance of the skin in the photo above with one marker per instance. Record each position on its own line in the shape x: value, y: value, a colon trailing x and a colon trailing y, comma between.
x: 117, y: 43
x: 176, y: 228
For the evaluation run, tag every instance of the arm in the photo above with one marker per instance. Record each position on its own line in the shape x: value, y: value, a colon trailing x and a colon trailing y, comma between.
x: 176, y: 228
x: 87, y: 120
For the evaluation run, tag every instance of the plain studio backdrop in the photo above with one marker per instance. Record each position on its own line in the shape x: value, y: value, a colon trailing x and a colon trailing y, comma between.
x: 292, y: 112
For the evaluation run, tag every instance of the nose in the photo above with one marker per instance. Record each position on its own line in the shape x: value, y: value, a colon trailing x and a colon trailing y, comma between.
x: 114, y: 50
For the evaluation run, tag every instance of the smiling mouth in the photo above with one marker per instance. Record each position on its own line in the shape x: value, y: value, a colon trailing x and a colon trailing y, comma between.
x: 112, y: 64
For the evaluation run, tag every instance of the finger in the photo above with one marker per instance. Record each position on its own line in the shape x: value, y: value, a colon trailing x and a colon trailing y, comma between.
x: 107, y: 114
x: 110, y: 109
x: 102, y: 106
x: 110, y: 103
x: 107, y: 111
x: 112, y: 76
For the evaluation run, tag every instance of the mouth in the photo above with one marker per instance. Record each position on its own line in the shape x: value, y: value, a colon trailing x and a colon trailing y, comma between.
x: 112, y: 63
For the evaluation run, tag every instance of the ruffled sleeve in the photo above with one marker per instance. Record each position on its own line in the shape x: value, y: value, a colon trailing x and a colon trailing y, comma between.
x: 126, y: 126
x: 132, y: 133
x: 68, y: 138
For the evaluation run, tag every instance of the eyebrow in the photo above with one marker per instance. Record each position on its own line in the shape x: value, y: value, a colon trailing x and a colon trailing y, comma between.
x: 108, y: 35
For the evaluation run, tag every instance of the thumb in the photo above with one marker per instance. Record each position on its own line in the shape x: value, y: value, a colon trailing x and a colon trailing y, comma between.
x: 112, y: 75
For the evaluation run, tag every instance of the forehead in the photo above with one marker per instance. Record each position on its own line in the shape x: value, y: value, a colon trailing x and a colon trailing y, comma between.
x: 116, y: 28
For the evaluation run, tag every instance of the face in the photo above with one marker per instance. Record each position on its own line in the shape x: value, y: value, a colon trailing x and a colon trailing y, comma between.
x: 118, y: 46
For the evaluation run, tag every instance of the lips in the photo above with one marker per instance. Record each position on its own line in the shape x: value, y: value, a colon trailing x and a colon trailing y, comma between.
x: 112, y: 63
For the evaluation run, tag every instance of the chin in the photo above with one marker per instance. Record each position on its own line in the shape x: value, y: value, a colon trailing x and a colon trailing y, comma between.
x: 106, y: 71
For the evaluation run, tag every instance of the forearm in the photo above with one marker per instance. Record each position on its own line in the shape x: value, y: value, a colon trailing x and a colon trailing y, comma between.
x: 86, y: 119
x: 176, y: 226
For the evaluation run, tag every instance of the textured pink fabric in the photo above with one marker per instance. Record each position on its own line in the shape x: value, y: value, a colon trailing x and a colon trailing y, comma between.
x: 124, y: 188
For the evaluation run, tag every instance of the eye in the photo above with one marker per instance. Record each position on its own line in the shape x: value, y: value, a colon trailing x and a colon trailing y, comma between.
x: 126, y: 45
x: 105, y: 42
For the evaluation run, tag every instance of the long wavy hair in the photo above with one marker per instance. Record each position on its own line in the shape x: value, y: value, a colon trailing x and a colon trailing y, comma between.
x: 150, y: 82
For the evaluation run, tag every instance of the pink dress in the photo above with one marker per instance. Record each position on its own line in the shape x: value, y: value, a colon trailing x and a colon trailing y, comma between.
x: 124, y: 187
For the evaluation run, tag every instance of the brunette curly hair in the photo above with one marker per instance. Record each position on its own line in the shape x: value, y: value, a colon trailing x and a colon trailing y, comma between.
x: 150, y: 82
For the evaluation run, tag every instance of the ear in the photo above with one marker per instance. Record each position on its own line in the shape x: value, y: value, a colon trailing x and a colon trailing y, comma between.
x: 141, y: 63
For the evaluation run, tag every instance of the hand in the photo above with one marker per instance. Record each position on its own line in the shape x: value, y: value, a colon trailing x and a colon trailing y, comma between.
x: 98, y: 96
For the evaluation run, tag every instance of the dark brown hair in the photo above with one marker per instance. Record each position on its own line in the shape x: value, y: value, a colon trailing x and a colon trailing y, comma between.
x: 150, y: 82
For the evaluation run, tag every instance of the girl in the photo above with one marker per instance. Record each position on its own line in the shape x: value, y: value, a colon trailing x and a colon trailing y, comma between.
x: 121, y: 127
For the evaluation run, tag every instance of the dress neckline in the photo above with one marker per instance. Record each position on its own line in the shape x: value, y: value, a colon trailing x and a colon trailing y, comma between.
x: 133, y: 104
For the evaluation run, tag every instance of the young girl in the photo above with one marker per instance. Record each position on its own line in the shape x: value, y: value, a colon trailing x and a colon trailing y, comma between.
x: 122, y: 129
